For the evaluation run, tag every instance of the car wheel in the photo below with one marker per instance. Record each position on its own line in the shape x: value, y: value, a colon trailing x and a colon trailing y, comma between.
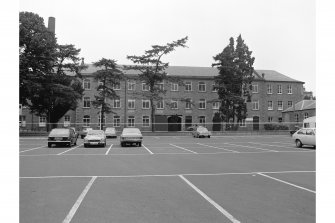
x: 298, y: 143
x: 85, y: 145
x: 49, y: 145
x: 122, y: 144
x: 209, y: 136
x: 139, y: 144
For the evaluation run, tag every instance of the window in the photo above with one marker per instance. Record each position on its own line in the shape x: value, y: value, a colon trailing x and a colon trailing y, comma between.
x: 305, y: 115
x: 280, y: 105
x: 296, y: 117
x: 174, y: 104
x: 131, y: 104
x: 87, y: 102
x: 131, y: 85
x: 270, y: 105
x: 145, y: 104
x: 280, y: 119
x: 117, y: 86
x: 22, y: 121
x: 255, y: 88
x: 100, y: 83
x: 213, y: 88
x: 202, y: 87
x: 160, y: 105
x: 202, y: 120
x: 116, y: 103
x: 216, y: 105
x: 269, y: 91
x: 160, y: 86
x: 87, y: 84
x: 270, y: 119
x: 116, y: 121
x: 145, y: 87
x: 289, y: 104
x: 280, y: 90
x: 188, y: 86
x: 86, y: 120
x: 242, y: 123
x: 67, y: 120
x: 255, y: 105
x: 131, y: 121
x: 174, y: 87
x: 146, y: 121
x: 202, y: 104
x: 188, y: 104
x: 289, y: 89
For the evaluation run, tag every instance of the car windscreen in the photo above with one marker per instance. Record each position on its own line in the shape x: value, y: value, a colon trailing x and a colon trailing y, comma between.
x: 202, y: 130
x: 95, y: 132
x: 110, y: 130
x: 56, y: 132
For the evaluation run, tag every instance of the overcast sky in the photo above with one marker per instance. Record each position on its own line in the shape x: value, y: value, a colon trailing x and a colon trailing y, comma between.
x: 281, y: 33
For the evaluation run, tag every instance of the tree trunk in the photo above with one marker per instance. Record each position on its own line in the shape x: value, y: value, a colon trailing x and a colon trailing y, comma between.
x: 152, y: 116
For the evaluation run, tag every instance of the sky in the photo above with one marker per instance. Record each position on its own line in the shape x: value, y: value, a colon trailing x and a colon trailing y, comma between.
x: 281, y: 34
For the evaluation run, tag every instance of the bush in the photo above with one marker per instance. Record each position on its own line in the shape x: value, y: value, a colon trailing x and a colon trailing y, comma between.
x: 275, y: 127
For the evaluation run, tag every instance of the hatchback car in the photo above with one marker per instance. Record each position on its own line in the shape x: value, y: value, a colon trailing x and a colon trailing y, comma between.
x: 305, y: 136
x: 110, y: 132
x: 131, y: 136
x: 201, y: 131
x: 62, y: 136
x: 95, y: 138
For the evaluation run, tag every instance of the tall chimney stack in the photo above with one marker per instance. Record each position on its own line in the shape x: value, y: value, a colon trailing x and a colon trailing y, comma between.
x: 52, y: 24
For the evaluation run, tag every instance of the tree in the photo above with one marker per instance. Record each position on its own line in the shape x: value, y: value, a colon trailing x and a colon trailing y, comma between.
x: 107, y: 77
x: 233, y: 84
x: 49, y: 72
x: 152, y: 72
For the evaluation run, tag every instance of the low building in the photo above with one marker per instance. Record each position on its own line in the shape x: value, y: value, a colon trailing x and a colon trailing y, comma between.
x: 295, y: 116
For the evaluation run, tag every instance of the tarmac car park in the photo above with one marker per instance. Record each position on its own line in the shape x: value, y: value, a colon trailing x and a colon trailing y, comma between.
x: 255, y: 178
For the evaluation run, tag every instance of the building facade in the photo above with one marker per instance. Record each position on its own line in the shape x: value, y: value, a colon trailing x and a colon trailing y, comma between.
x: 294, y: 116
x: 194, y: 102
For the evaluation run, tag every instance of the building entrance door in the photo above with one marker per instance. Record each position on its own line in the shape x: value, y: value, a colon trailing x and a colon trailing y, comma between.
x: 174, y: 123
x: 217, y: 122
x: 256, y: 123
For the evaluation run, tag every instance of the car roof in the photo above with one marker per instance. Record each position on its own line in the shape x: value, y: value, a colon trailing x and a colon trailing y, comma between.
x: 60, y: 131
x: 131, y: 130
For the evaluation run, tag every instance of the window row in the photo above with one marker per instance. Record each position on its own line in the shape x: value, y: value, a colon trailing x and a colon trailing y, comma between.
x: 270, y: 89
x: 280, y: 105
x: 117, y: 121
x: 160, y: 105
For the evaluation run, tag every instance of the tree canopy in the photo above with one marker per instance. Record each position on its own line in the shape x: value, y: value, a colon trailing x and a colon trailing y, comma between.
x: 151, y: 70
x: 233, y: 84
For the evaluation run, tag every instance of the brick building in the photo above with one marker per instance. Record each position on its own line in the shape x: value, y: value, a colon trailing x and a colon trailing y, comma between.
x: 294, y: 116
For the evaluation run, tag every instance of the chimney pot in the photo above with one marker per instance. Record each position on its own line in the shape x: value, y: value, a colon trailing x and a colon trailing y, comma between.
x: 263, y: 75
x: 52, y: 24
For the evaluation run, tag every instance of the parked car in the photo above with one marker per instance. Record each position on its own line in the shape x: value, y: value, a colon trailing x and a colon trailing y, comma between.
x: 305, y: 136
x: 201, y: 131
x: 62, y: 136
x: 95, y: 138
x: 110, y: 132
x: 83, y: 133
x: 191, y: 128
x: 131, y: 136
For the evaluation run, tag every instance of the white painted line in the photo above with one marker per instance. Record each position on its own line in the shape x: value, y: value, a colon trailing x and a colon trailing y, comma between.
x: 280, y: 146
x: 184, y: 149
x: 262, y: 174
x: 147, y: 149
x: 251, y: 147
x: 79, y: 200
x: 218, y: 148
x: 70, y: 149
x: 211, y: 201
x: 32, y: 149
x: 173, y: 175
x: 108, y: 149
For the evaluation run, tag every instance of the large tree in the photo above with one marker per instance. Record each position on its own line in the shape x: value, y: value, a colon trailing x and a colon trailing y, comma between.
x: 49, y: 72
x: 108, y: 76
x: 151, y: 70
x: 233, y: 84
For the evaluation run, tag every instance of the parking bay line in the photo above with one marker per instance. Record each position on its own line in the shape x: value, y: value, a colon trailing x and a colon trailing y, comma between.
x: 285, y: 182
x: 32, y: 149
x: 280, y: 146
x: 108, y: 149
x: 76, y: 205
x: 147, y: 149
x: 218, y: 148
x: 211, y: 201
x: 184, y: 149
x: 70, y: 149
x: 251, y: 147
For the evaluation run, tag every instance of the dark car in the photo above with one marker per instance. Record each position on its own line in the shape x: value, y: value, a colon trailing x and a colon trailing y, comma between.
x: 62, y: 136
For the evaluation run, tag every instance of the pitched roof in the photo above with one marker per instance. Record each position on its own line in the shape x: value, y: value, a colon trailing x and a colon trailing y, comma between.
x: 302, y: 105
x: 269, y: 75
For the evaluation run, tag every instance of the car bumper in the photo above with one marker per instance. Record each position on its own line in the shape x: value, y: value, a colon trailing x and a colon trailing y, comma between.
x: 129, y: 140
x: 59, y: 142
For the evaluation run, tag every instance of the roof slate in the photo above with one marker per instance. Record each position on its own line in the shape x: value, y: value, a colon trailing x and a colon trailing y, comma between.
x: 187, y: 71
x: 302, y: 105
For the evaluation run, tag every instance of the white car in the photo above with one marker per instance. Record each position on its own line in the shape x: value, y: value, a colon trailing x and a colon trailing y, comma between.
x: 201, y: 131
x: 131, y: 136
x: 95, y: 138
x: 305, y: 136
x: 110, y: 132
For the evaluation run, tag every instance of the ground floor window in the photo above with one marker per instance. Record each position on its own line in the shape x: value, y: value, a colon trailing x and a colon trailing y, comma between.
x: 86, y: 120
x: 146, y: 121
x: 116, y: 121
x: 67, y: 120
x: 42, y: 121
x: 202, y: 120
x: 280, y: 119
x: 131, y: 121
x: 306, y: 115
x: 242, y: 123
x: 270, y: 119
x: 22, y: 121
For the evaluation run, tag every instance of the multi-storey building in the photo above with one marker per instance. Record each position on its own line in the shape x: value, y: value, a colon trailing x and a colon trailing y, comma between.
x: 194, y: 102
